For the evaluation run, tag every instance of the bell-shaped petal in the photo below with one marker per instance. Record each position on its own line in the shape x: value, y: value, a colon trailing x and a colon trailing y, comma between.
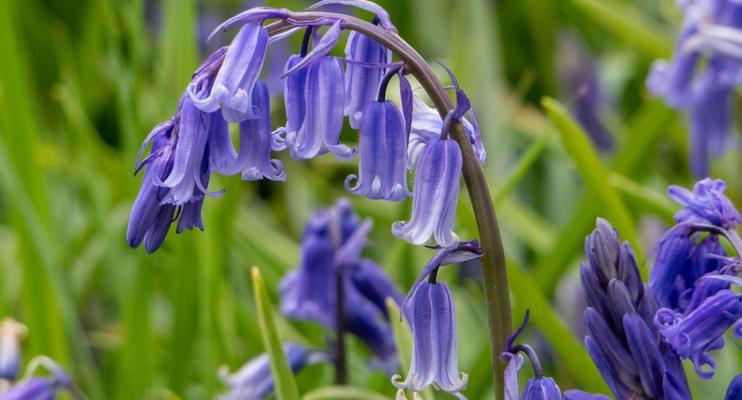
x: 309, y: 292
x: 431, y: 315
x: 383, y: 170
x: 256, y: 140
x: 706, y: 204
x: 294, y: 86
x: 231, y: 89
x: 515, y: 362
x: 323, y: 118
x: 701, y: 330
x: 436, y: 194
x: 580, y: 395
x: 362, y: 79
x: 374, y: 284
x: 11, y: 334
x: 543, y: 388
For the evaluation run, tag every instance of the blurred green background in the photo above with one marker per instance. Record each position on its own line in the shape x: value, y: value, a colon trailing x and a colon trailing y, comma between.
x: 83, y: 81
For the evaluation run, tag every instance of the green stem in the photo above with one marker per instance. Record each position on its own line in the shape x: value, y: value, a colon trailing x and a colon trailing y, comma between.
x: 493, y: 261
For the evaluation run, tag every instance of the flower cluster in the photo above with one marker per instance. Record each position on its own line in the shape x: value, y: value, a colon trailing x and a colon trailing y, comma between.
x: 637, y: 334
x: 253, y: 381
x: 712, y: 28
x: 30, y: 387
x: 430, y: 312
x: 320, y: 90
x: 331, y: 249
x: 698, y: 306
x: 621, y: 337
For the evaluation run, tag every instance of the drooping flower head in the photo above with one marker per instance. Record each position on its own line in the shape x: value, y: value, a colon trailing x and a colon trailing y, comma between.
x: 430, y: 312
x: 363, y: 75
x: 254, y: 381
x: 621, y: 337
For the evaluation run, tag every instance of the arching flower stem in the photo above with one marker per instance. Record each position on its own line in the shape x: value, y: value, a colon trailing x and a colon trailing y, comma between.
x: 493, y: 261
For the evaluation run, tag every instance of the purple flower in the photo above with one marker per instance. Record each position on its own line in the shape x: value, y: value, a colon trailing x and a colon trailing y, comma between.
x: 323, y: 115
x: 430, y: 312
x: 580, y: 395
x: 435, y: 196
x: 734, y: 392
x: 294, y: 98
x: 706, y: 204
x: 367, y: 59
x: 693, y: 335
x: 333, y: 241
x: 37, y: 388
x: 383, y: 170
x: 254, y: 381
x: 256, y: 138
x: 11, y: 334
x: 231, y: 88
x: 714, y: 29
x: 620, y: 337
x: 426, y: 125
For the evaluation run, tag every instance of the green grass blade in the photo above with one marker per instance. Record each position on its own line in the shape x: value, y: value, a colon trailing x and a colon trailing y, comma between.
x: 586, y: 160
x: 628, y: 24
x: 283, y: 378
x: 644, y: 197
x: 343, y: 393
x: 518, y: 172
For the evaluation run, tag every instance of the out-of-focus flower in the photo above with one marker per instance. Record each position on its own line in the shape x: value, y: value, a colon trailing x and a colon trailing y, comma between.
x: 332, y: 242
x: 621, y: 337
x: 712, y: 29
x: 253, y: 381
x: 578, y: 73
x: 11, y: 334
x: 436, y: 193
x: 41, y: 388
x: 734, y: 392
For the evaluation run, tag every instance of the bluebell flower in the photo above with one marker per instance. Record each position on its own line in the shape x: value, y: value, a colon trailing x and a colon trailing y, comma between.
x: 693, y: 335
x: 367, y: 59
x: 734, y: 391
x: 578, y: 71
x: 706, y: 204
x: 231, y: 87
x: 256, y: 139
x: 621, y: 337
x: 323, y: 115
x: 711, y: 33
x: 426, y: 125
x: 254, y: 381
x: 436, y: 193
x: 382, y: 173
x: 431, y: 315
x: 429, y: 310
x: 11, y: 334
x: 294, y: 98
x: 333, y: 241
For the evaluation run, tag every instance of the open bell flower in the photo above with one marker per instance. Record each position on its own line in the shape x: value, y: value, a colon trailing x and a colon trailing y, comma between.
x: 693, y: 335
x: 256, y: 137
x: 435, y: 196
x: 430, y: 312
x: 382, y: 173
x: 231, y: 88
